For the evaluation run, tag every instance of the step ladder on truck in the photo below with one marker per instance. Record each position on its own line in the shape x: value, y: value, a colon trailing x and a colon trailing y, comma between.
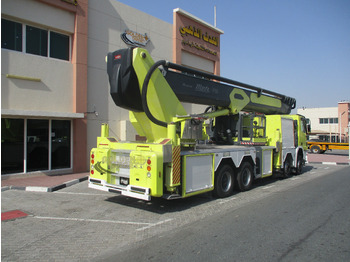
x: 246, y: 132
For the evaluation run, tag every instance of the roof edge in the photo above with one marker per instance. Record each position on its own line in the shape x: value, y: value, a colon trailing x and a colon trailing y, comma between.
x: 183, y: 12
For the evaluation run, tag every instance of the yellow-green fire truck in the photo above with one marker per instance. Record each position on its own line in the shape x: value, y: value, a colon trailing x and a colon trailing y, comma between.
x: 245, y: 133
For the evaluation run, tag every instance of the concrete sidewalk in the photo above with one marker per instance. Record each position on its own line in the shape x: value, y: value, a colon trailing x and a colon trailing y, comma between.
x: 43, y: 183
x: 328, y: 158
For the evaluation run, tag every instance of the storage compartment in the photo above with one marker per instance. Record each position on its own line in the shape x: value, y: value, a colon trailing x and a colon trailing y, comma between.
x: 198, y: 172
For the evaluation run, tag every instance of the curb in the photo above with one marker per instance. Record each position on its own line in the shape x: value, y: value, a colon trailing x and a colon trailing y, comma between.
x: 330, y: 163
x: 44, y: 189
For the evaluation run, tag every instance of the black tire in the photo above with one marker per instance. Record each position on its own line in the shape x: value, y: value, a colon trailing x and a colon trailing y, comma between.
x: 245, y: 177
x: 287, y: 167
x: 316, y: 150
x: 300, y: 164
x: 224, y: 182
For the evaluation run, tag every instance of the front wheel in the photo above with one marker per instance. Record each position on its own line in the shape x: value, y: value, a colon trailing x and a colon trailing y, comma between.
x: 299, y: 168
x: 224, y: 182
x: 245, y: 177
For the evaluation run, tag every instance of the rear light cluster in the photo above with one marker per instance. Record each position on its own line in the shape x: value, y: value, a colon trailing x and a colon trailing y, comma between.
x: 92, y: 164
x: 149, y: 162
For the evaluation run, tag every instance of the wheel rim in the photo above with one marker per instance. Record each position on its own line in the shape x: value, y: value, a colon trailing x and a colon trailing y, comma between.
x: 246, y: 177
x: 315, y: 150
x: 226, y: 181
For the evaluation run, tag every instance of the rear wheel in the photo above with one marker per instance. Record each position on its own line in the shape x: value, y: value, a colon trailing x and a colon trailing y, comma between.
x: 316, y: 150
x: 287, y: 170
x: 245, y: 177
x: 224, y: 182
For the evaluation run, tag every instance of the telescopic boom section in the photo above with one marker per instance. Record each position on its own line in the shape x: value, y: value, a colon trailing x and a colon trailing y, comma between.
x: 202, y: 88
x: 129, y: 87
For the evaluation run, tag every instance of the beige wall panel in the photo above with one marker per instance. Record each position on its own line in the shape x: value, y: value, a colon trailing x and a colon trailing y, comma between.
x: 198, y: 62
x: 106, y: 30
x: 127, y: 131
x: 107, y: 21
x: 314, y: 114
x: 38, y: 13
x: 160, y: 46
x: 54, y: 91
x: 97, y: 52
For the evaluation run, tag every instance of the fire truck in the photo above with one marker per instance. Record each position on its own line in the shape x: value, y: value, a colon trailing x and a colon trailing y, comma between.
x: 245, y: 133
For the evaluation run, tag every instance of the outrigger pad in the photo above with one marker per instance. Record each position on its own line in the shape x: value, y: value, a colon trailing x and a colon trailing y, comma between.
x: 123, y: 81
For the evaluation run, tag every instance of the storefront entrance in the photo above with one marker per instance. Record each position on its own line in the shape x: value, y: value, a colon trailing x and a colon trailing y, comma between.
x: 29, y: 145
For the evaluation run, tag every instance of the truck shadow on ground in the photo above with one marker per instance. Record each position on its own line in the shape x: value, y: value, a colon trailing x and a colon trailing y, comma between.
x: 271, y: 180
x: 162, y: 206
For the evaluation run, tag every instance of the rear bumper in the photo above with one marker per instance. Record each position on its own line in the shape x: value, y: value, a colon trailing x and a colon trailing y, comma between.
x: 130, y: 191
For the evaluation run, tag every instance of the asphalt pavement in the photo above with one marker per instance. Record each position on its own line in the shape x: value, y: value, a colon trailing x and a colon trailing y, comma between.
x: 304, y: 223
x: 77, y: 223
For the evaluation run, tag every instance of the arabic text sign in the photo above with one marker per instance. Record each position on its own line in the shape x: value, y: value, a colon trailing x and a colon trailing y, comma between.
x: 197, y: 32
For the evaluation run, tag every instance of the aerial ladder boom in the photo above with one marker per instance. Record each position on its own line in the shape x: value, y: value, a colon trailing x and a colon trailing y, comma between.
x: 154, y: 96
x: 198, y: 87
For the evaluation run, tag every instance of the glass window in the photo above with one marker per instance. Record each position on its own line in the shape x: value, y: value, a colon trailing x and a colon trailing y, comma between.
x: 303, y: 125
x: 60, y: 141
x: 331, y: 120
x: 59, y: 46
x: 321, y: 120
x: 335, y: 120
x: 12, y: 145
x: 36, y: 41
x: 37, y: 144
x: 11, y: 35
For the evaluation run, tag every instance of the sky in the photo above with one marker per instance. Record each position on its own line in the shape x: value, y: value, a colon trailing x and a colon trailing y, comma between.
x: 299, y: 48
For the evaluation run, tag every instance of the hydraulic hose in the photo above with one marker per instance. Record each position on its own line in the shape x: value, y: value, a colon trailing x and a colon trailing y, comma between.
x: 144, y: 94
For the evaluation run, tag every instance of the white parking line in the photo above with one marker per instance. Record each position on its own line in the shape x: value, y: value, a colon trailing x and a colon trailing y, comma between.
x: 268, y: 187
x: 145, y: 225
x: 36, y: 189
x: 329, y: 163
x: 153, y: 225
x: 95, y: 220
x: 223, y: 201
x: 83, y: 194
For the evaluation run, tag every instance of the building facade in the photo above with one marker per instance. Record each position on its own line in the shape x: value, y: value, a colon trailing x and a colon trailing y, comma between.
x: 329, y: 123
x: 54, y: 84
x: 43, y: 86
